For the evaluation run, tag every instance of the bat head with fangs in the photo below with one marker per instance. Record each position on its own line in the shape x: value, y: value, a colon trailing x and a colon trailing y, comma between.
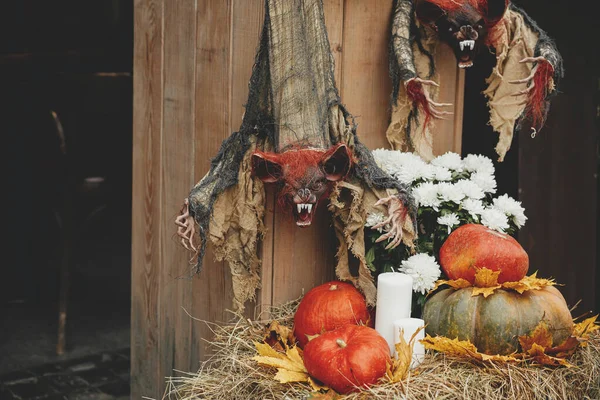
x: 462, y: 24
x: 304, y: 176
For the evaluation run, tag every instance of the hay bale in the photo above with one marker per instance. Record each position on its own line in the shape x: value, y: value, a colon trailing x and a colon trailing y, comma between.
x: 231, y: 374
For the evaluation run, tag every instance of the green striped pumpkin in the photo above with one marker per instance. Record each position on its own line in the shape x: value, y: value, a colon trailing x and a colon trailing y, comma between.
x: 493, y: 324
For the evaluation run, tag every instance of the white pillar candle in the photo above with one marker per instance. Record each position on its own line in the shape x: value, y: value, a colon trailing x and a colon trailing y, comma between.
x: 408, y: 326
x: 394, y: 298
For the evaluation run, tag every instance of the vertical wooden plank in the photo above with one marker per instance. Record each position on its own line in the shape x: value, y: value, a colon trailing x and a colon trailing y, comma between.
x: 366, y: 85
x: 247, y: 22
x: 334, y: 20
x: 447, y: 135
x: 177, y: 176
x: 146, y: 256
x: 212, y: 292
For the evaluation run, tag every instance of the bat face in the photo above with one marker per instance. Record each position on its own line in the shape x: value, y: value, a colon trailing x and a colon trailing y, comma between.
x: 464, y: 30
x: 462, y: 24
x: 304, y: 176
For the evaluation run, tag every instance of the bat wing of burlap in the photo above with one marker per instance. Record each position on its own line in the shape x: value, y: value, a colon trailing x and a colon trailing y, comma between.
x: 514, y: 40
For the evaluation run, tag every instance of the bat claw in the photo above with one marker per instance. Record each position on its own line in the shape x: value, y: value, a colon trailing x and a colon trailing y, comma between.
x: 186, y: 227
x: 395, y: 221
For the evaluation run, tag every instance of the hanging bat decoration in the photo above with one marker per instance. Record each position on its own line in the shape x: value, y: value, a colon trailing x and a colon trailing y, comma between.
x: 296, y: 135
x: 528, y: 66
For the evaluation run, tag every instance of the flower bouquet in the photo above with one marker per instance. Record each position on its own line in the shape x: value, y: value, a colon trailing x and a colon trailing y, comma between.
x: 449, y: 191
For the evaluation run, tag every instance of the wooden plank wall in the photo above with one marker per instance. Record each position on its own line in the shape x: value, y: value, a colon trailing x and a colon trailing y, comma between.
x: 192, y: 63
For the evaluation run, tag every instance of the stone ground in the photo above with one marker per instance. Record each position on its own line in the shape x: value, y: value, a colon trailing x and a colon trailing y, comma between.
x: 103, y: 376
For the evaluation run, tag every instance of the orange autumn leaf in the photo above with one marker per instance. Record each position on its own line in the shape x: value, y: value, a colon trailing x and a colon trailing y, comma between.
x: 566, y: 348
x: 531, y: 282
x: 540, y: 336
x: 329, y: 395
x: 278, y: 336
x: 538, y: 354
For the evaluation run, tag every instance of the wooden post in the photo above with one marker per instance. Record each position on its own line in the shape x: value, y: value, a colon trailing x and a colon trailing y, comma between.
x: 192, y: 64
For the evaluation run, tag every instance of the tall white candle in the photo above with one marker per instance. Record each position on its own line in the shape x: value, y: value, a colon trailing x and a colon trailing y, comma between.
x: 394, y: 298
x: 408, y: 326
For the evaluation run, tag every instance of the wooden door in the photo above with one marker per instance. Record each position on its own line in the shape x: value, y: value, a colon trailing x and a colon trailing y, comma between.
x: 192, y: 63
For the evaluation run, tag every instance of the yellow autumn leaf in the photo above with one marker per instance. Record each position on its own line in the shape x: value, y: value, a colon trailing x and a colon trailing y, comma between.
x: 461, y: 348
x: 287, y: 376
x: 455, y: 284
x: 398, y: 371
x: 486, y: 278
x: 531, y: 282
x: 485, y: 291
x: 290, y: 367
x: 584, y: 328
x: 540, y: 335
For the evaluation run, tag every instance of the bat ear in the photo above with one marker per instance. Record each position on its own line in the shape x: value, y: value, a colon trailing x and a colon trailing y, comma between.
x: 495, y: 10
x: 266, y: 168
x: 336, y: 163
x: 428, y: 12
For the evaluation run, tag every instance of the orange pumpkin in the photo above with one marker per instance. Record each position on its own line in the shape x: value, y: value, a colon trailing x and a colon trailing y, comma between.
x: 327, y: 307
x: 475, y: 246
x: 348, y: 358
x: 494, y: 324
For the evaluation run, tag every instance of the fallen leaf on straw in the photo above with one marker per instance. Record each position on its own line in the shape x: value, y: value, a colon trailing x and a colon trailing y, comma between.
x: 583, y: 329
x: 398, y: 371
x: 461, y: 348
x: 278, y: 336
x: 290, y: 367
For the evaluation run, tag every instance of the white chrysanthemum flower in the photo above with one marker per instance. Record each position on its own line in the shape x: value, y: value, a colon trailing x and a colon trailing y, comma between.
x: 494, y: 219
x: 478, y: 163
x: 424, y: 270
x: 450, y: 220
x: 412, y: 168
x: 426, y: 195
x: 441, y: 173
x: 386, y: 160
x: 405, y: 167
x: 449, y: 160
x: 470, y: 189
x: 512, y: 208
x: 375, y: 218
x: 485, y: 181
x: 473, y: 207
x: 450, y: 192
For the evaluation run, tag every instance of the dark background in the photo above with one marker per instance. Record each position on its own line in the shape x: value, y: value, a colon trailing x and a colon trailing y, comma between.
x: 74, y: 58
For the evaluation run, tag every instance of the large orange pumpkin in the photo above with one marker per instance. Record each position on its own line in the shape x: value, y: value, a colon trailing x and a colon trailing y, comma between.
x: 327, y: 307
x: 493, y: 324
x: 475, y: 246
x: 348, y: 358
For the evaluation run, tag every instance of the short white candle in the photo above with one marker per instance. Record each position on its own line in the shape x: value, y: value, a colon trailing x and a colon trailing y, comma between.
x: 394, y: 300
x: 409, y: 326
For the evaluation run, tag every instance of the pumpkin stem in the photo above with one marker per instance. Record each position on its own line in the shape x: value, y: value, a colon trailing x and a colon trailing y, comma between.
x: 341, y: 343
x: 333, y: 287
